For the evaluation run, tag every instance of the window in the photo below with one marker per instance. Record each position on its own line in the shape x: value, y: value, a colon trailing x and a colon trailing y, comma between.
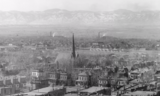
x: 53, y: 76
x: 10, y: 86
x: 65, y: 77
x: 79, y: 78
x: 24, y: 84
x: 5, y: 91
x: 17, y: 85
x: 85, y: 78
x: 34, y: 74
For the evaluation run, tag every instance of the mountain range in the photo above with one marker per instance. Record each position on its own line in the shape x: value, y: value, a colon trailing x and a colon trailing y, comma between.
x: 64, y: 17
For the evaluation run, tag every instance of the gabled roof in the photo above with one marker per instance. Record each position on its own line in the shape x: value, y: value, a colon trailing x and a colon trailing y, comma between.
x: 136, y: 80
x: 138, y: 93
x: 83, y: 74
x: 103, y: 76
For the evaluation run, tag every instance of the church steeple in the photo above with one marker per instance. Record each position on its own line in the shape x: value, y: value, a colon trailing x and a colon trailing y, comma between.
x: 73, y: 47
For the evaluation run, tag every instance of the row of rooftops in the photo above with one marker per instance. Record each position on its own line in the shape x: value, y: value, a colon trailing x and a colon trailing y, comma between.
x: 11, y: 77
x: 43, y: 91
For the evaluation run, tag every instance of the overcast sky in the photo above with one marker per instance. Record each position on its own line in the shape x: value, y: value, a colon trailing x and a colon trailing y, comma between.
x: 92, y: 5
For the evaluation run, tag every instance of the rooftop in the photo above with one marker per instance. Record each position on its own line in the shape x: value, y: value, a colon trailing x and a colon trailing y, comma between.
x: 83, y: 73
x: 43, y: 91
x: 93, y: 89
x: 138, y: 93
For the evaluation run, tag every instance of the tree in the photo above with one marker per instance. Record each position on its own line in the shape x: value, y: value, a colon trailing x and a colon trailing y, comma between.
x: 81, y: 61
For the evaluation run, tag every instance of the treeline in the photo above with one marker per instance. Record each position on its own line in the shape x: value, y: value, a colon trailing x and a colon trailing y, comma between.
x: 112, y: 42
x: 127, y: 43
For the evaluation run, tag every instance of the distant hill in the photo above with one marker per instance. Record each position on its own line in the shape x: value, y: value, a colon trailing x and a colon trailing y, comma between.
x: 64, y: 17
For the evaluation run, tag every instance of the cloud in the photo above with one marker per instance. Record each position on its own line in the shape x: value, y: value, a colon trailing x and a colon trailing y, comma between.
x: 143, y: 5
x: 93, y: 5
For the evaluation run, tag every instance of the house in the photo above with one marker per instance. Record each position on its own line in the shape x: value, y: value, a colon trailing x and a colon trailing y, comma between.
x: 135, y: 74
x: 63, y: 78
x: 103, y: 80
x: 157, y: 76
x: 6, y: 91
x: 22, y: 81
x: 15, y: 81
x: 122, y: 81
x: 12, y: 84
x: 54, y: 77
x: 39, y: 79
x: 36, y: 73
x: 83, y: 78
x: 8, y: 81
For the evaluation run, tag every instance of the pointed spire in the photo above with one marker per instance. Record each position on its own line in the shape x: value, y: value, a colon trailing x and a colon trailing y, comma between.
x: 73, y: 47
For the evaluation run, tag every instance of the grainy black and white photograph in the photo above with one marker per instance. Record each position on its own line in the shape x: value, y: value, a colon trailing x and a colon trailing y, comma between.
x: 79, y: 47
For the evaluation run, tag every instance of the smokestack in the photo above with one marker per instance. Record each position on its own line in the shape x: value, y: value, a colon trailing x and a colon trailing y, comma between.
x: 73, y: 47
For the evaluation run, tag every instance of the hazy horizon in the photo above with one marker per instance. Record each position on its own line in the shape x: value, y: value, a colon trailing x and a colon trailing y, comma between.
x: 74, y: 5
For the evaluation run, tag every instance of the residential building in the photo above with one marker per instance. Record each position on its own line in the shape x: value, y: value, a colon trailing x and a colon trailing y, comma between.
x: 103, y: 80
x: 63, y: 78
x: 39, y: 79
x: 11, y: 84
x: 6, y: 91
x: 122, y: 81
x: 157, y: 76
x: 135, y: 74
x: 83, y: 79
x: 54, y: 77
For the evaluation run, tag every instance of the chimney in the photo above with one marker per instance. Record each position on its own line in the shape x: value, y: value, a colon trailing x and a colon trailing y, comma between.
x: 4, y: 81
x: 12, y: 79
x: 19, y: 78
